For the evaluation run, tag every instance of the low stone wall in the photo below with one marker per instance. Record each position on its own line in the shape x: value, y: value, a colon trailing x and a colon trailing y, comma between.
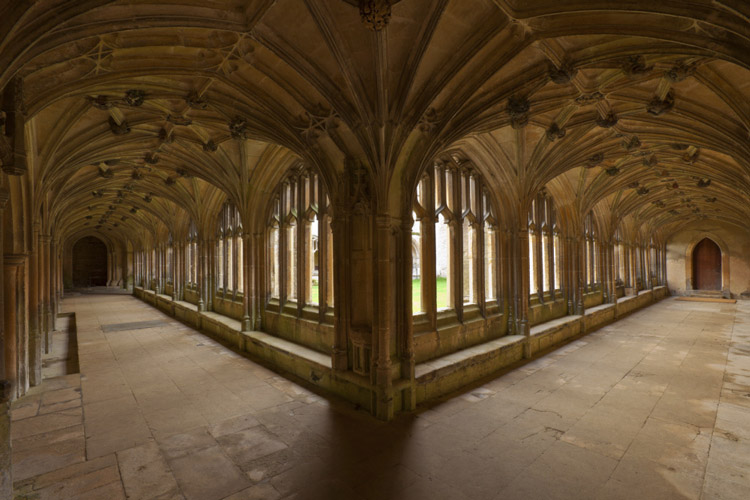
x: 442, y: 375
x: 312, y: 366
x: 433, y: 378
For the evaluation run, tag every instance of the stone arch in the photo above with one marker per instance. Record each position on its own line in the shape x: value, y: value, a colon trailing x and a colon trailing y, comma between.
x: 689, y: 278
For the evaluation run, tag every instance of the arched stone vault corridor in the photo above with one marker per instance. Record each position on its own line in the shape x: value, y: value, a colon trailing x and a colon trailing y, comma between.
x: 387, y: 199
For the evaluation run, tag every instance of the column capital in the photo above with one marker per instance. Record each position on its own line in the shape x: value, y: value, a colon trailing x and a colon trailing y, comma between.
x: 4, y: 197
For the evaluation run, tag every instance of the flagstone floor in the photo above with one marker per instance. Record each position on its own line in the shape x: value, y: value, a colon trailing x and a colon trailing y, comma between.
x: 654, y: 406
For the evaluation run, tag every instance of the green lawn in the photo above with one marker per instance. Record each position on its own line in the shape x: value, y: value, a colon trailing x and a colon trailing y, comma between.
x: 416, y: 294
x: 314, y: 294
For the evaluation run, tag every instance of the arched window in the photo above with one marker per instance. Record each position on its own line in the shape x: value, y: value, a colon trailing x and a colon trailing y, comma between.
x: 192, y: 255
x: 229, y: 250
x: 545, y: 270
x: 300, y: 242
x: 455, y: 235
x: 591, y: 243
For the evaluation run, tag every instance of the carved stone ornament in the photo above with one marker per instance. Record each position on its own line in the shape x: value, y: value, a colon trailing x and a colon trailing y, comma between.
x: 642, y: 190
x: 612, y: 171
x: 134, y: 98
x: 118, y: 129
x: 704, y: 182
x: 429, y: 120
x: 555, y: 132
x: 632, y: 143
x: 152, y: 158
x: 518, y: 109
x: 136, y: 175
x: 608, y: 121
x: 238, y: 128
x: 679, y: 72
x: 179, y: 120
x: 97, y: 193
x: 658, y: 106
x: 169, y: 181
x: 106, y: 173
x: 148, y: 198
x: 195, y: 101
x: 99, y: 102
x: 691, y: 158
x: 651, y: 161
x: 634, y: 184
x: 375, y: 13
x: 210, y: 146
x: 165, y: 136
x: 659, y: 204
x: 563, y: 74
x: 317, y: 123
x: 594, y: 160
x: 635, y: 65
x: 182, y: 172
x: 587, y: 99
x: 711, y: 199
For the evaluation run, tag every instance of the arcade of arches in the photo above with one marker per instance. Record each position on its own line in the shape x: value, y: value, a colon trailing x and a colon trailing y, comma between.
x: 387, y: 199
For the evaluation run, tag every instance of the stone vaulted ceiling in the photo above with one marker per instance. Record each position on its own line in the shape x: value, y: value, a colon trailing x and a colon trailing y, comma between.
x: 139, y: 112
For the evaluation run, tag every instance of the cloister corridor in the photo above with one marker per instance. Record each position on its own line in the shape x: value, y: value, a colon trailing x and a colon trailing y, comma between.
x: 651, y: 406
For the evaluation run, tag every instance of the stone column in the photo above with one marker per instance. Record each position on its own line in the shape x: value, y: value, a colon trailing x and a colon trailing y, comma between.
x: 6, y: 478
x: 408, y: 357
x: 51, y: 291
x: 247, y: 276
x: 201, y: 249
x: 46, y: 279
x: 384, y: 268
x: 580, y: 273
x: 341, y: 257
x: 36, y: 346
x: 523, y: 287
x: 10, y: 344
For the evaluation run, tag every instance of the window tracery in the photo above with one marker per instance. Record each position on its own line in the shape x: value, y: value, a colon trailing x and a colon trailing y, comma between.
x: 300, y: 242
x: 454, y: 241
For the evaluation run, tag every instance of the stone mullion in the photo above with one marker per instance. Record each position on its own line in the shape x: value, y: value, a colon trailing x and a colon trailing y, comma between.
x: 580, y: 274
x: 200, y: 277
x: 550, y: 260
x: 249, y: 268
x: 301, y: 248
x: 11, y: 264
x: 479, y: 250
x: 522, y: 255
x: 567, y: 274
x: 457, y: 245
x: 322, y: 252
x: 539, y: 261
x: 428, y: 272
x: 257, y: 253
x: 632, y: 273
x: 647, y: 259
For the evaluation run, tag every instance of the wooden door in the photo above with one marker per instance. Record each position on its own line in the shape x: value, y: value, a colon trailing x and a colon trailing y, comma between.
x: 707, y: 266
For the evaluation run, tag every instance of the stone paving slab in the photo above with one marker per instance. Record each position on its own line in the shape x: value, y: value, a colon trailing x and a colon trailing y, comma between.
x: 654, y: 406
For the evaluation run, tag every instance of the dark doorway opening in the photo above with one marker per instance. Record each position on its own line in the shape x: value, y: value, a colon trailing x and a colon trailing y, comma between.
x: 707, y: 265
x: 89, y: 262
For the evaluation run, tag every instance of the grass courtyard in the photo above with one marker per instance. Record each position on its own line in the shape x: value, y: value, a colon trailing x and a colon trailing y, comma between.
x: 416, y: 294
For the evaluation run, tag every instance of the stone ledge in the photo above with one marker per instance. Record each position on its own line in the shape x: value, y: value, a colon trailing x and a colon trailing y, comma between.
x: 279, y: 354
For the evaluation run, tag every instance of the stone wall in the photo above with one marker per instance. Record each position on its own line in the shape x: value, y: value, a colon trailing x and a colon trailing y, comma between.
x: 736, y: 266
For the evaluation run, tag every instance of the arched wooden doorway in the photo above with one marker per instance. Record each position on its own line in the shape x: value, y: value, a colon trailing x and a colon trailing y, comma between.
x: 707, y: 265
x: 89, y: 262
